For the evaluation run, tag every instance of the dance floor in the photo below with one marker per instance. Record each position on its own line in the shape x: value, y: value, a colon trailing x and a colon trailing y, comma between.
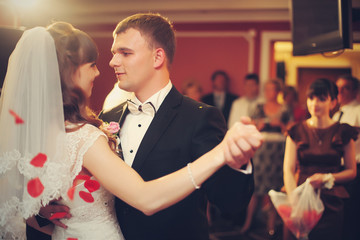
x: 225, y: 229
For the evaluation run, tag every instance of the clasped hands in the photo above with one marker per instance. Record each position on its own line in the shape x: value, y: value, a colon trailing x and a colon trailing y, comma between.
x: 48, y: 211
x: 240, y: 143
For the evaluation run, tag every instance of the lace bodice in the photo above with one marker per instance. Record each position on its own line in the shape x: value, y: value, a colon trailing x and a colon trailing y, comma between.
x: 90, y: 220
x: 92, y: 208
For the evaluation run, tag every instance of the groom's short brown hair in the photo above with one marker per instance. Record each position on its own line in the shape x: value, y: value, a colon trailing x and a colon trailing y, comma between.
x: 157, y: 30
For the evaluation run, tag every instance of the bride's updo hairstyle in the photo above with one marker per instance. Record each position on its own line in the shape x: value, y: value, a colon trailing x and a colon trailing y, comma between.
x: 74, y: 48
x: 322, y: 88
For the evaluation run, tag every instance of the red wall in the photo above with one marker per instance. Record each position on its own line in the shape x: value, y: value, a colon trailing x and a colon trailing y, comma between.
x: 198, y: 57
x: 105, y: 82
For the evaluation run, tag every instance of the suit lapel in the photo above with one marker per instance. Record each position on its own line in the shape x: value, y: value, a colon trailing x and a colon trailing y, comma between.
x: 164, y: 116
x: 124, y: 113
x: 115, y: 114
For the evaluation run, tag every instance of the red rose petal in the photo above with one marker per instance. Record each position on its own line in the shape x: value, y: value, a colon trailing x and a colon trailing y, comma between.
x: 71, y: 193
x: 87, y: 197
x: 18, y: 120
x: 58, y: 215
x: 39, y: 160
x: 284, y: 211
x: 82, y: 177
x: 294, y: 228
x: 71, y: 239
x: 35, y: 187
x: 311, y: 218
x: 92, y: 185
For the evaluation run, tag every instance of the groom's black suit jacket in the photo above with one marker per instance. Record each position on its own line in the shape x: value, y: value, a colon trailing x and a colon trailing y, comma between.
x: 181, y: 131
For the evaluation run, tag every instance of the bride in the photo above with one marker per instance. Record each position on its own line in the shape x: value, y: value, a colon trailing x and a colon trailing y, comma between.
x: 53, y: 147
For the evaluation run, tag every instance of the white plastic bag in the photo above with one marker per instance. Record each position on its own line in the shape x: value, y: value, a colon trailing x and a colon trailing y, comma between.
x: 303, y: 212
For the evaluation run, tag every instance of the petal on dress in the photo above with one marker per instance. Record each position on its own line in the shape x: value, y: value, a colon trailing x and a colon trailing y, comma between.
x: 35, y: 187
x: 92, y: 185
x: 87, y: 197
x: 39, y: 160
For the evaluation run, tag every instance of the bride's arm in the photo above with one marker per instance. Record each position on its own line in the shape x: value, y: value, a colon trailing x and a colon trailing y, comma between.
x: 289, y: 166
x: 150, y: 197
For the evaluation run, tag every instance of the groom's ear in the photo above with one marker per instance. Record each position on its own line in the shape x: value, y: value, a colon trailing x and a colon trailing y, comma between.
x: 159, y: 57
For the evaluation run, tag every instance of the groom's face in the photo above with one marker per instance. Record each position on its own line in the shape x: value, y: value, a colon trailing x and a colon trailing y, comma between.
x: 133, y: 60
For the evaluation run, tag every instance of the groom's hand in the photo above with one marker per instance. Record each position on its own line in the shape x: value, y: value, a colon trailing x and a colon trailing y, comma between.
x: 242, y: 140
x: 54, y: 213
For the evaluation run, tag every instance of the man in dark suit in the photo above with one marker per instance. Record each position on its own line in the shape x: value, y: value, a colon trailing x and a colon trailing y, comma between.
x: 220, y: 97
x: 162, y: 131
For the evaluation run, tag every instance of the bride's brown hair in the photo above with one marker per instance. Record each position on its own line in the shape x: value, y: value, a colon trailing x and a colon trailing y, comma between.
x: 74, y: 48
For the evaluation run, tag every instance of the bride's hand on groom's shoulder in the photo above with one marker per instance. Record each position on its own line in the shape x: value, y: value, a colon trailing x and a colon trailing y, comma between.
x: 54, y: 213
x: 241, y: 141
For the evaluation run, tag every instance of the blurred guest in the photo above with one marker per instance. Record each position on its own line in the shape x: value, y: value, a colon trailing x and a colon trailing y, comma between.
x: 271, y: 116
x: 192, y: 89
x: 220, y: 97
x: 317, y: 146
x: 349, y: 113
x: 271, y: 119
x: 291, y: 101
x: 245, y: 105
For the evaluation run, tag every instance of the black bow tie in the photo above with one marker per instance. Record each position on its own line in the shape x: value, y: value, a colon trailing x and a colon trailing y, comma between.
x: 147, y: 108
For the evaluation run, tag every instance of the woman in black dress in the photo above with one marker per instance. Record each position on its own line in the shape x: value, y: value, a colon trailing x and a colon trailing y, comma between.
x: 314, y: 149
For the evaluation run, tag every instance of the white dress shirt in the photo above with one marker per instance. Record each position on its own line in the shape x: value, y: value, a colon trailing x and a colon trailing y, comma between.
x: 136, y: 125
x: 115, y: 97
x: 219, y: 99
x: 351, y: 115
x: 242, y: 107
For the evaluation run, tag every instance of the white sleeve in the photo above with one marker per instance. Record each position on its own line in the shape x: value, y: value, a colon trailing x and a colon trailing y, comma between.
x: 80, y: 143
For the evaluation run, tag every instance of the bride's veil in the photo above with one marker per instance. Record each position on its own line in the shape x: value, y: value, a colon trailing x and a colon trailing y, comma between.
x: 32, y: 132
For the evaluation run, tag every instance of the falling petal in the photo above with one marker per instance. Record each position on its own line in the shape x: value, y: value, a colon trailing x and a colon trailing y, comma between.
x: 71, y: 193
x: 18, y: 120
x: 39, y: 160
x: 35, y: 187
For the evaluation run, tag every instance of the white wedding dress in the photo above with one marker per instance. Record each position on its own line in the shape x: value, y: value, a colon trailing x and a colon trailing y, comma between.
x: 91, y: 220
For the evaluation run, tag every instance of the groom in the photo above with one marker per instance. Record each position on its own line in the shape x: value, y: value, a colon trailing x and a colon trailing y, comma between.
x: 162, y: 131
